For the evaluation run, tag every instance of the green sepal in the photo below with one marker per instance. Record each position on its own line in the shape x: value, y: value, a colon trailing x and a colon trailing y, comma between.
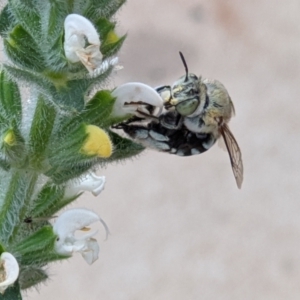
x: 49, y: 201
x: 56, y: 60
x: 110, y: 10
x: 10, y: 98
x: 40, y: 131
x: 6, y: 21
x: 65, y: 156
x: 4, y: 164
x: 104, y: 26
x: 123, y: 147
x: 110, y: 42
x: 41, y: 258
x: 27, y: 16
x: 29, y: 77
x: 111, y: 48
x: 18, y: 187
x: 60, y: 175
x: 23, y: 50
x: 58, y: 205
x: 37, y: 249
x: 2, y: 249
x: 97, y: 111
x: 13, y: 292
x: 103, y: 8
x: 41, y: 240
x: 66, y: 148
x: 54, y: 13
x: 30, y: 276
x: 47, y: 198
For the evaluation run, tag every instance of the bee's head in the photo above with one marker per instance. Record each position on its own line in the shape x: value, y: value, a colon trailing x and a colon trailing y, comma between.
x: 186, y: 92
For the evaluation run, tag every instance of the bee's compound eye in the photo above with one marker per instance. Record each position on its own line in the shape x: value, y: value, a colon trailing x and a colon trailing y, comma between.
x: 187, y: 107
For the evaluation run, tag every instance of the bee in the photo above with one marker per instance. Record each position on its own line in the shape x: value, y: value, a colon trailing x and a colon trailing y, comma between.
x: 196, y: 114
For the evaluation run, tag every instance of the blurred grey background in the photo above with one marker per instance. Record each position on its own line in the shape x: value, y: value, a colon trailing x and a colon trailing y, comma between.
x: 180, y: 227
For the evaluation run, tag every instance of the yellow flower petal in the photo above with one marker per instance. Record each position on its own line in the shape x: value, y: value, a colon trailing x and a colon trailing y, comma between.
x: 97, y: 143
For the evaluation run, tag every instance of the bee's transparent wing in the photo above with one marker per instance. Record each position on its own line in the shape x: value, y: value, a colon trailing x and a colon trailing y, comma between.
x: 235, y: 154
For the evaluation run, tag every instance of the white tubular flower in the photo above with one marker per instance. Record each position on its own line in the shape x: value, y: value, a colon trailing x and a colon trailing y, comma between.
x: 88, y: 182
x: 9, y: 271
x: 65, y: 227
x: 135, y: 98
x: 82, y: 42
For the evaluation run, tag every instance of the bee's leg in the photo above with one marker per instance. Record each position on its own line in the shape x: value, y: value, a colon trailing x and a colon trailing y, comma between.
x: 143, y: 110
x: 171, y: 120
x: 146, y: 136
x: 183, y: 142
x: 127, y: 122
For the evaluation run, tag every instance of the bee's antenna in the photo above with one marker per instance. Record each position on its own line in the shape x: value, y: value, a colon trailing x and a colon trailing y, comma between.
x: 185, y: 65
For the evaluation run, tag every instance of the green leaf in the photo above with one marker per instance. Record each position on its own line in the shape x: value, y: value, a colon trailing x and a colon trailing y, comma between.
x: 65, y: 156
x: 65, y: 148
x: 6, y: 21
x: 54, y: 14
x: 2, y: 249
x: 104, y: 26
x: 49, y: 201
x: 41, y: 258
x: 27, y: 16
x: 123, y: 147
x: 23, y: 50
x: 103, y: 8
x: 110, y: 42
x: 61, y: 174
x: 40, y: 240
x: 60, y: 91
x: 31, y: 276
x: 37, y: 249
x: 4, y: 164
x: 41, y: 129
x: 56, y: 60
x: 97, y: 111
x: 10, y: 99
x: 16, y: 190
x: 48, y: 197
x: 28, y: 76
x: 111, y: 48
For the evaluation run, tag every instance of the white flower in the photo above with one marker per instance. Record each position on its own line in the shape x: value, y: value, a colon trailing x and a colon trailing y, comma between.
x: 135, y: 98
x: 9, y: 271
x: 65, y: 227
x: 82, y: 42
x: 88, y: 182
